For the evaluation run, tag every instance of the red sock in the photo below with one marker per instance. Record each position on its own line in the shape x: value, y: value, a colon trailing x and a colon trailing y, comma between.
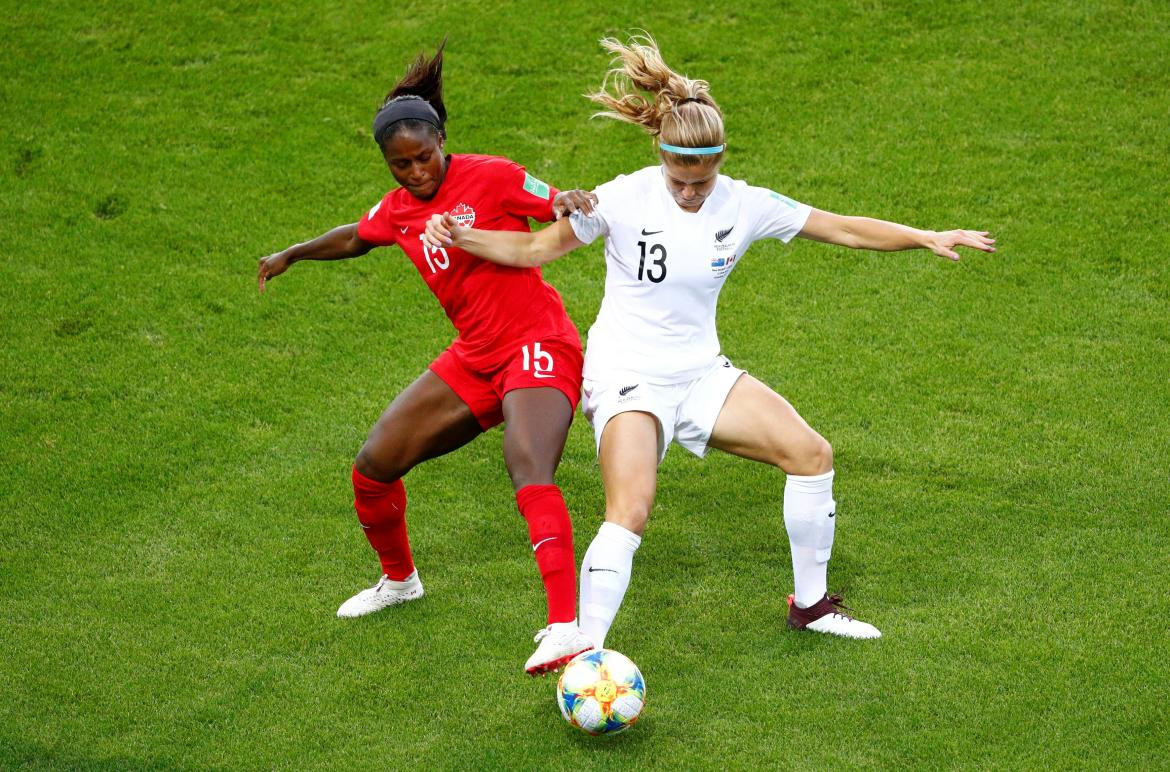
x: 381, y: 510
x: 551, y: 535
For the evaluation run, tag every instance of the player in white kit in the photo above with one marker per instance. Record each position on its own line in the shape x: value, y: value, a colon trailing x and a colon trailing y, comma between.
x: 653, y: 369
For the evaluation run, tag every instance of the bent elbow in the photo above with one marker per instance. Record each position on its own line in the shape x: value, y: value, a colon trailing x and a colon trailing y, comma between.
x: 539, y: 257
x: 536, y: 253
x: 355, y: 245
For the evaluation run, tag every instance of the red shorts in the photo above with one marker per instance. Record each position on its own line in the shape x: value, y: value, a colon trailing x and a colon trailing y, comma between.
x: 554, y: 362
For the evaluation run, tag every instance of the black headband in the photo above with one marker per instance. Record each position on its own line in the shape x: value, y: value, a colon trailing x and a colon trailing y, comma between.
x: 402, y: 110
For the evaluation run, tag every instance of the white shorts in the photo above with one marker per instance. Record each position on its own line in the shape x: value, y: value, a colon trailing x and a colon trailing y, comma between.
x: 686, y: 412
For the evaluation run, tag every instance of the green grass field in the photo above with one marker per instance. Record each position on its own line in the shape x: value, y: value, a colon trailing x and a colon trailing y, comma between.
x: 174, y: 448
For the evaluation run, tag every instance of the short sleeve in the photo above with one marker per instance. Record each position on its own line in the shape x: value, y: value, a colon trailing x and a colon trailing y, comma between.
x: 777, y: 215
x: 377, y: 225
x: 589, y: 228
x: 523, y: 195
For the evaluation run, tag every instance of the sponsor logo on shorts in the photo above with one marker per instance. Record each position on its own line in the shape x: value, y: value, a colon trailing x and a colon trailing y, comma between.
x: 625, y: 393
x: 404, y: 229
x: 649, y: 233
x: 464, y: 215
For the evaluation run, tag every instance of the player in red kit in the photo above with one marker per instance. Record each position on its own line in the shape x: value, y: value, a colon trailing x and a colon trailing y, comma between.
x: 516, y: 359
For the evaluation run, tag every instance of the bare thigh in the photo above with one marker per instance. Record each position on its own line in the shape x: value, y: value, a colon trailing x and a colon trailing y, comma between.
x: 536, y: 424
x: 629, y: 468
x: 759, y: 424
x: 424, y: 421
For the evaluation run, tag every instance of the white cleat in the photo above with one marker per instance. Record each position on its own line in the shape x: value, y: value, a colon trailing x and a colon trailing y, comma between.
x: 386, y: 592
x: 825, y: 616
x: 559, y: 643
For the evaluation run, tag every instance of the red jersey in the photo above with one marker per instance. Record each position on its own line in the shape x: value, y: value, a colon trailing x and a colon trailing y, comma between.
x: 493, y: 307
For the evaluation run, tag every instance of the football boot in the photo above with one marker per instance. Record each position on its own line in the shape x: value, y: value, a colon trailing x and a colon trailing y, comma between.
x: 386, y: 592
x: 825, y: 616
x: 559, y: 643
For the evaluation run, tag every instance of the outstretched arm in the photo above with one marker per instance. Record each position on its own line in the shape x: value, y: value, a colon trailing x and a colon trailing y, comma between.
x: 338, y: 244
x: 868, y: 233
x: 513, y: 248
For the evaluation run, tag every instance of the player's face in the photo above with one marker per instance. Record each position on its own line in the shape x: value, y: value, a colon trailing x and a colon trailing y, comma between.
x: 416, y: 160
x: 690, y: 185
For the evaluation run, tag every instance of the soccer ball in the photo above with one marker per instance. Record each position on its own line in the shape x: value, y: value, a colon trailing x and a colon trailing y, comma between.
x: 601, y: 692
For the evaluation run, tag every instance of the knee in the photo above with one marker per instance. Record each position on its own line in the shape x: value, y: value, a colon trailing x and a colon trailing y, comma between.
x: 631, y: 515
x: 813, y: 456
x: 527, y: 468
x: 382, y: 467
x: 822, y: 455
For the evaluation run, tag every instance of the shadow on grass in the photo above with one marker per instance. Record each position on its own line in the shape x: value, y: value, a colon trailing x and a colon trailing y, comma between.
x: 624, y: 742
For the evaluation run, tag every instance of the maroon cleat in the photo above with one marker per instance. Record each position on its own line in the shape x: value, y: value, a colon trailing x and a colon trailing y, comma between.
x: 825, y: 616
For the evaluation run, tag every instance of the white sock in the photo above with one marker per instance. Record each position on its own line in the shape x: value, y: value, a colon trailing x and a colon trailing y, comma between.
x: 403, y: 584
x: 809, y: 512
x: 605, y: 575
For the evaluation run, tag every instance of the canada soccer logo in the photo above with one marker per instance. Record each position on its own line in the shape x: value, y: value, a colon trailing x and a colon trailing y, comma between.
x: 464, y: 215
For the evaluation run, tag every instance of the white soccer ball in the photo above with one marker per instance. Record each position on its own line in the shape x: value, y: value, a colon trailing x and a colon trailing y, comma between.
x: 601, y: 692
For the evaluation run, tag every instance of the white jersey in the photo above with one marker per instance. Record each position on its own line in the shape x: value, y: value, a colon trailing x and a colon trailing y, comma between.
x: 665, y: 268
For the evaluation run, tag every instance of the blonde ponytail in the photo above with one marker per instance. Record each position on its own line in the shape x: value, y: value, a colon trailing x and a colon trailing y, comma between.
x: 678, y: 112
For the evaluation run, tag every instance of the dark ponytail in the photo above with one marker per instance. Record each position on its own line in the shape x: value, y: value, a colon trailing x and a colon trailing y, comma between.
x: 423, y: 80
